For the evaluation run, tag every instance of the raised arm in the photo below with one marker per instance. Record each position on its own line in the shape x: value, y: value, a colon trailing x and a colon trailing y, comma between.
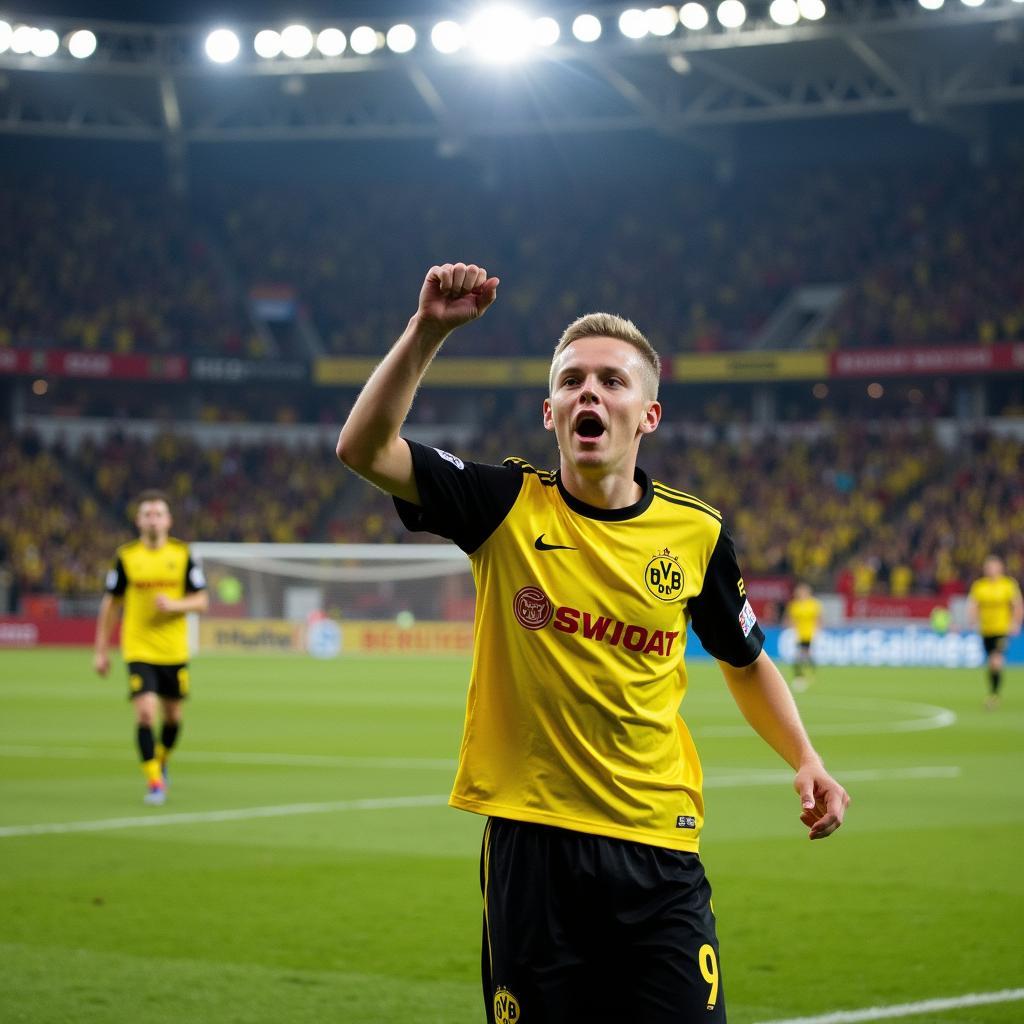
x: 764, y: 698
x: 369, y: 443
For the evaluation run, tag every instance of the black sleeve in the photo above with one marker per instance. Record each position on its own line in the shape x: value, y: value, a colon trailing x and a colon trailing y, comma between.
x: 721, y: 614
x: 117, y: 581
x: 463, y: 501
x: 195, y: 579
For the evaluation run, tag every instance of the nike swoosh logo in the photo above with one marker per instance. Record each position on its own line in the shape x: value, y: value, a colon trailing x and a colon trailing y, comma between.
x: 541, y: 546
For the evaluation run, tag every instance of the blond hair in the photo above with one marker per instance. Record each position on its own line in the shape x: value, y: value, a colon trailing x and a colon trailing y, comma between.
x: 608, y: 325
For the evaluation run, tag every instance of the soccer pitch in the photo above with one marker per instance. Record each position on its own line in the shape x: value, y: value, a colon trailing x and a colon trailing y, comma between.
x: 306, y: 867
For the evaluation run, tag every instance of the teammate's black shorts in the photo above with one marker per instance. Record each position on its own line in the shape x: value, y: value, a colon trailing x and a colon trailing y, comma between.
x: 581, y: 929
x: 168, y: 681
x: 995, y: 644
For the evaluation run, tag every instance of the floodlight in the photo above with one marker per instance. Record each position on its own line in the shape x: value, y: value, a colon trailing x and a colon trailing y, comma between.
x: 931, y: 5
x: 586, y: 28
x: 364, y: 40
x: 633, y: 24
x: 693, y: 16
x: 331, y: 42
x: 82, y: 44
x: 22, y: 38
x: 296, y: 41
x: 812, y: 10
x: 546, y: 32
x: 661, y: 21
x: 972, y: 3
x: 267, y: 43
x: 5, y: 36
x: 447, y: 37
x: 500, y: 34
x: 222, y: 46
x: 46, y: 43
x: 784, y: 12
x: 401, y: 38
x: 732, y: 13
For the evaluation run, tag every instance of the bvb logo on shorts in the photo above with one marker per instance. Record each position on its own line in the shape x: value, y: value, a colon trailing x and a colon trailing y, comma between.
x: 532, y: 608
x: 506, y: 1007
x: 664, y: 577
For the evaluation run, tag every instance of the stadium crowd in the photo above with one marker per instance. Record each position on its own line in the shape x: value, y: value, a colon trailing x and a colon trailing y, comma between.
x: 877, y: 507
x: 928, y: 256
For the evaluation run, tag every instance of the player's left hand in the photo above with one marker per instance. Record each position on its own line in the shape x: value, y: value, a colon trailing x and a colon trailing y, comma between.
x: 823, y: 800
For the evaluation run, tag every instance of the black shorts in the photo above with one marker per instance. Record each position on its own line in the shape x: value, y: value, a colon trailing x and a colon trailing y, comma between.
x: 994, y: 644
x: 581, y: 929
x: 168, y: 681
x: 804, y: 647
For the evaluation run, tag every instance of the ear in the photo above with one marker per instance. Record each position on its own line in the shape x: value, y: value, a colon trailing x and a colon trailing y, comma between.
x: 549, y: 416
x: 651, y: 418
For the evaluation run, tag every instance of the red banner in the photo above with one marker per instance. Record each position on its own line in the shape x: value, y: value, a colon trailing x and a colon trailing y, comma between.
x: 915, y: 607
x: 42, y: 632
x: 895, y: 362
x: 93, y: 365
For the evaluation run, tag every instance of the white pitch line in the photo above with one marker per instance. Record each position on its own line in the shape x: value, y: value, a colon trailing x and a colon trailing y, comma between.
x: 1009, y: 995
x: 763, y: 777
x: 241, y: 757
x: 238, y: 814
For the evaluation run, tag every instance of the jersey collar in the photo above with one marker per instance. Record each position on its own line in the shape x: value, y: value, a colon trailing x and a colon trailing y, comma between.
x: 610, y: 515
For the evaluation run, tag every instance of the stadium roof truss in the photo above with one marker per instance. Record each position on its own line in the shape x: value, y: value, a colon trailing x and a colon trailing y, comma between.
x: 153, y: 83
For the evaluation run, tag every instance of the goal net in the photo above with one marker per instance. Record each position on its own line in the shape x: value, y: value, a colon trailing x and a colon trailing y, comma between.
x: 332, y: 599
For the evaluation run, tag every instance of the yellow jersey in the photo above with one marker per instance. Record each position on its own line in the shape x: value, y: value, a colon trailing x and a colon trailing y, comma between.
x: 582, y: 623
x: 995, y: 599
x: 805, y: 616
x: 139, y: 575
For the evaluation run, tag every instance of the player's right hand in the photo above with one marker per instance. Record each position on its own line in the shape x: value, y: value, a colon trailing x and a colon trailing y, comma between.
x: 101, y: 663
x: 453, y: 294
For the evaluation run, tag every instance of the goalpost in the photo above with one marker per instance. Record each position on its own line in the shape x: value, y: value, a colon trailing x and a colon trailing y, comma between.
x: 331, y: 599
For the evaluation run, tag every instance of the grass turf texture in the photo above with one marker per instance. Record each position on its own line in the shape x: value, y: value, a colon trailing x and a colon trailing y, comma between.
x: 373, y: 915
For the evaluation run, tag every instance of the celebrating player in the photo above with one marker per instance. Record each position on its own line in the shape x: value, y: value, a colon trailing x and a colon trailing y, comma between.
x: 159, y: 584
x: 573, y: 747
x: 995, y: 610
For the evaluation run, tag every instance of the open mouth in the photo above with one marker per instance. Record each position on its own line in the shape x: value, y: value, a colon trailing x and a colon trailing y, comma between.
x: 589, y: 424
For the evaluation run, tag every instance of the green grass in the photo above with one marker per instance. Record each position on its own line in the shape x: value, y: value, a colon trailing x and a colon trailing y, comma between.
x: 369, y: 916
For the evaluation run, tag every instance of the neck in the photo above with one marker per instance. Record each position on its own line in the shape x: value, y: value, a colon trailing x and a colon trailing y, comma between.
x: 602, y: 490
x: 153, y: 542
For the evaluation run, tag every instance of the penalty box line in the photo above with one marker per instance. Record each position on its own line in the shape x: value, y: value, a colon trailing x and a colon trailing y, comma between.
x: 1008, y: 995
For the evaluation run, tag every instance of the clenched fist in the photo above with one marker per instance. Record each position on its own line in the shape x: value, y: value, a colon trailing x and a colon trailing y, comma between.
x: 453, y: 294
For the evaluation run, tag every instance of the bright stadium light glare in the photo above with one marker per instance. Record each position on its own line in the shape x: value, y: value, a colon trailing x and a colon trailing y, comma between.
x: 5, y: 36
x: 661, y: 21
x: 972, y: 3
x: 586, y: 28
x: 731, y: 13
x: 296, y: 41
x: 447, y: 37
x: 222, y: 46
x: 500, y: 34
x: 363, y: 40
x: 545, y: 32
x: 46, y: 43
x: 401, y: 38
x: 267, y: 43
x: 784, y: 12
x: 82, y: 44
x: 633, y: 24
x: 22, y: 38
x: 931, y: 5
x: 331, y: 42
x: 812, y: 10
x: 693, y: 16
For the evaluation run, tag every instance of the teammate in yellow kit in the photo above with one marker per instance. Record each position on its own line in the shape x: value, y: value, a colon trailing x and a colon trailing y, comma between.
x: 589, y: 579
x: 995, y: 609
x: 803, y: 614
x: 158, y: 583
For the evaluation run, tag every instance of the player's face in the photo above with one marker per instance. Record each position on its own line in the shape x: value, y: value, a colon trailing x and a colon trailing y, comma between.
x: 992, y: 567
x: 598, y: 408
x: 153, y: 520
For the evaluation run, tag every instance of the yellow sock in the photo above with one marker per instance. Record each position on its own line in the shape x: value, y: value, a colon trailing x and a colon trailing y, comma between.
x: 161, y: 753
x: 151, y: 769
